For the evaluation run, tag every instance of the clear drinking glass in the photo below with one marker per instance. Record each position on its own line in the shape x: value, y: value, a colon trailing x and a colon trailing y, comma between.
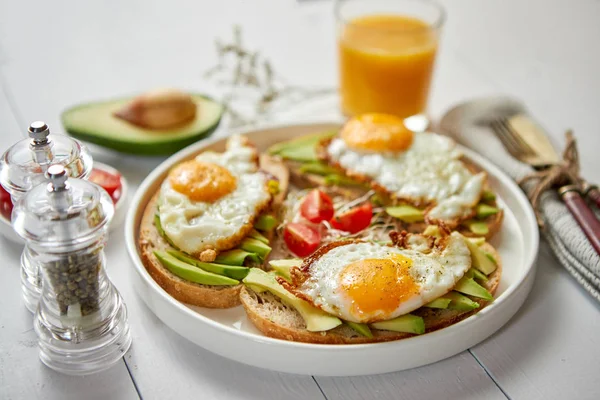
x: 387, y: 51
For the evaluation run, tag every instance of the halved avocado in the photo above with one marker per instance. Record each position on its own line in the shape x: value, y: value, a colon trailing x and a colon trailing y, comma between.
x: 95, y: 123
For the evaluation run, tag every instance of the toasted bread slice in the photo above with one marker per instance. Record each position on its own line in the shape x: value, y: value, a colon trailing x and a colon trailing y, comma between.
x: 182, y: 290
x: 189, y: 292
x: 275, y: 319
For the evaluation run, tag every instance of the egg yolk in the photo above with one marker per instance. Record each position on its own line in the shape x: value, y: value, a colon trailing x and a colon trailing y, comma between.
x: 378, y: 286
x: 377, y: 133
x: 201, y: 181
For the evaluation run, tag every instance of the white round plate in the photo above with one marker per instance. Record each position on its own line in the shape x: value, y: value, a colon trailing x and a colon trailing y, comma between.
x: 230, y: 334
x: 7, y: 231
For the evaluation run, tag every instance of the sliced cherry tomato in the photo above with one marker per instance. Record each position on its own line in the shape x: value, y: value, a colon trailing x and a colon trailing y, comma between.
x: 302, y: 240
x: 6, y: 204
x: 354, y: 220
x: 317, y: 206
x: 109, y: 182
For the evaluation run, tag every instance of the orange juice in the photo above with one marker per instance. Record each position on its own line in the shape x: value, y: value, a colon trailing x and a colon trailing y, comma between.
x: 386, y: 64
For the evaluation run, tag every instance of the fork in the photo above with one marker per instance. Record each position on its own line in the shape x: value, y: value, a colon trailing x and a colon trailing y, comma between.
x: 570, y: 194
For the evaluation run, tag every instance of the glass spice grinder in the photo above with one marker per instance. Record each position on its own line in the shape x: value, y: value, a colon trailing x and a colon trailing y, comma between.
x: 81, y: 320
x: 22, y: 167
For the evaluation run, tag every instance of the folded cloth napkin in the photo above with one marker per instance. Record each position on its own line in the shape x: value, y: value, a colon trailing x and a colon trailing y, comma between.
x: 467, y: 124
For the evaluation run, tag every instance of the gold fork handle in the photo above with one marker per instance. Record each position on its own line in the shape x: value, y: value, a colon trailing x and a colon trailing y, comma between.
x: 582, y: 213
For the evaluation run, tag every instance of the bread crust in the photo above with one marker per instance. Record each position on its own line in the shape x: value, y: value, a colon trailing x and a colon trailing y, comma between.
x: 256, y: 308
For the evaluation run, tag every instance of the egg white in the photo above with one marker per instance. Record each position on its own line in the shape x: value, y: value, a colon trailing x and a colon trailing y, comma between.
x: 429, y: 171
x: 435, y: 274
x: 194, y: 226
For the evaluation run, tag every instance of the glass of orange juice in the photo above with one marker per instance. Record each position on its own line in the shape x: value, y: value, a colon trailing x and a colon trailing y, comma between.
x: 387, y: 51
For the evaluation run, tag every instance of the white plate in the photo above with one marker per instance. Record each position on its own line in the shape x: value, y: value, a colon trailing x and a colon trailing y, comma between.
x: 230, y: 334
x: 7, y: 231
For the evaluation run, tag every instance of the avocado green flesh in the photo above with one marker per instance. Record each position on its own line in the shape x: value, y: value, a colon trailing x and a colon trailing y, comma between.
x: 440, y: 302
x: 237, y: 257
x: 316, y: 320
x: 477, y: 275
x: 191, y: 273
x: 361, y: 329
x: 282, y: 267
x: 161, y: 231
x: 95, y: 123
x: 317, y: 168
x: 479, y: 259
x: 460, y: 302
x: 254, y: 234
x: 484, y: 211
x: 477, y: 227
x: 340, y: 180
x: 220, y: 269
x: 406, y: 323
x: 255, y: 246
x: 468, y: 286
x: 265, y: 223
x: 405, y: 213
x: 306, y: 142
x: 488, y: 195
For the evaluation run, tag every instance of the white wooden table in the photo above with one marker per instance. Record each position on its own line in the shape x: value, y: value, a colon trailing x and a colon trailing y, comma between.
x: 545, y: 52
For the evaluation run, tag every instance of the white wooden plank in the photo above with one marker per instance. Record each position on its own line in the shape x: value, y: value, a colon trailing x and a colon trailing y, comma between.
x: 459, y: 377
x: 22, y: 375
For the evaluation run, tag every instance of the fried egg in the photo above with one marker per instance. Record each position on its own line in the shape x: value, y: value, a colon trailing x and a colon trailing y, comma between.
x: 423, y: 169
x: 367, y: 282
x: 211, y: 202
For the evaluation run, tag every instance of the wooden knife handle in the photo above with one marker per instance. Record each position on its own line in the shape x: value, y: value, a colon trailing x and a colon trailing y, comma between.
x: 594, y: 195
x: 582, y: 214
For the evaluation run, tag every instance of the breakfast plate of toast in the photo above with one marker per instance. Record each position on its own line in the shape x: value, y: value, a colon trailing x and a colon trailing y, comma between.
x: 332, y: 249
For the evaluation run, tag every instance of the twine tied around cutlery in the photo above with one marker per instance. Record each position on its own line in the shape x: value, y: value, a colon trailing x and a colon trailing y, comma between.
x: 561, y: 173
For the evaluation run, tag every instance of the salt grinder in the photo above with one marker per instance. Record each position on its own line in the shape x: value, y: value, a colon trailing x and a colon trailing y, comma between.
x: 81, y: 320
x: 23, y: 166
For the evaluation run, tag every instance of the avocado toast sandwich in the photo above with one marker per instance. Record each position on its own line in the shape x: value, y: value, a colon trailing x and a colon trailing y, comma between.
x: 351, y: 292
x: 211, y: 222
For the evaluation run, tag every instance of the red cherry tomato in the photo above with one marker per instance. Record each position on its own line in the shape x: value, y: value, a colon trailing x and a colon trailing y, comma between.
x: 302, y: 240
x: 109, y: 182
x: 6, y: 204
x: 317, y: 206
x: 354, y: 220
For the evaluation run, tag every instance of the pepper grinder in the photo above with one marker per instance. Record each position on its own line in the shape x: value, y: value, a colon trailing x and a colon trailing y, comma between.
x: 81, y: 320
x: 22, y: 167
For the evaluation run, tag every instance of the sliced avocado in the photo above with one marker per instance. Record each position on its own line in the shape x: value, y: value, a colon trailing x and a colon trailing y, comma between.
x: 306, y: 142
x: 432, y: 230
x: 237, y: 257
x: 317, y: 168
x: 440, y: 302
x: 265, y: 222
x: 488, y: 195
x: 476, y: 274
x: 406, y: 323
x: 468, y: 286
x: 220, y: 269
x: 484, y: 211
x: 490, y: 257
x: 361, y: 329
x: 255, y: 246
x: 477, y: 227
x: 479, y: 259
x: 477, y: 240
x: 254, y: 234
x: 460, y: 302
x: 340, y: 180
x: 95, y: 123
x: 161, y: 231
x: 316, y: 320
x: 191, y: 273
x: 405, y: 213
x: 282, y: 267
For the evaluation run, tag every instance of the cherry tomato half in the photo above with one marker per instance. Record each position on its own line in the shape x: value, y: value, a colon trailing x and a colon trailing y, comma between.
x: 354, y: 220
x: 302, y: 240
x: 109, y: 182
x: 317, y: 206
x: 6, y: 204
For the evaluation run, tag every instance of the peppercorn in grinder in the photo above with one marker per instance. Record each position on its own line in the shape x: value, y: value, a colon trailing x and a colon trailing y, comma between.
x: 23, y: 166
x: 81, y: 320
